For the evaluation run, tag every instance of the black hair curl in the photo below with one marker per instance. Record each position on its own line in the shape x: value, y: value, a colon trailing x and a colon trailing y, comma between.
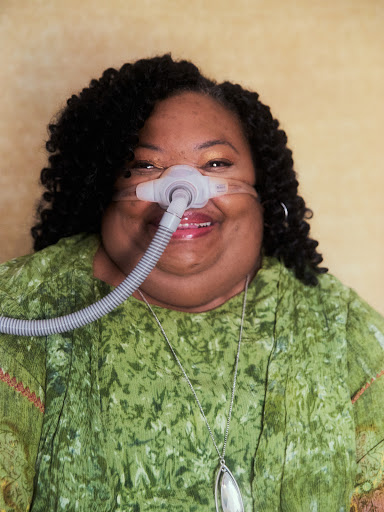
x: 97, y: 132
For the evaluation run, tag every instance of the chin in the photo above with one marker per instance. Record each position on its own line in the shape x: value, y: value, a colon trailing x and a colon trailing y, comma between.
x: 192, y: 268
x: 181, y: 261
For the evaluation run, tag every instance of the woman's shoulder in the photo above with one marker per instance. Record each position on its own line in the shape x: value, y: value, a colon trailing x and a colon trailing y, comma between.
x: 40, y: 285
x: 329, y: 290
x: 50, y: 283
x: 22, y: 277
x: 340, y: 307
x: 358, y: 338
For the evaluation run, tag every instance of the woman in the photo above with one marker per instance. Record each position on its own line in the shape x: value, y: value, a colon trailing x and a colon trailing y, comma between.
x: 238, y: 346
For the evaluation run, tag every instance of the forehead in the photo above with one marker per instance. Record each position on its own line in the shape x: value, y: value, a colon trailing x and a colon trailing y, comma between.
x: 191, y: 114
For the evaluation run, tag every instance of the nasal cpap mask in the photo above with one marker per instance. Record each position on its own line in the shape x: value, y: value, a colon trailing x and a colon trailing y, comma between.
x: 180, y: 187
x: 199, y: 187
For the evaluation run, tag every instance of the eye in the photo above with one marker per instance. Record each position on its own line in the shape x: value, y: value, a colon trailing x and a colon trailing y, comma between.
x: 143, y: 167
x: 219, y: 163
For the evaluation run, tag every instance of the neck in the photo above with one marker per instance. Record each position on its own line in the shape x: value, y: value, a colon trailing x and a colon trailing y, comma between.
x: 178, y: 300
x: 180, y: 293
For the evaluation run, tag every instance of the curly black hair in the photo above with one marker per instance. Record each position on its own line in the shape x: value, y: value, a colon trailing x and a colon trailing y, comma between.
x: 96, y: 134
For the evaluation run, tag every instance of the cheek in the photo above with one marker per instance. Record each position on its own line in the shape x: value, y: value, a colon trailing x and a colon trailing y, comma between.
x: 123, y: 213
x: 254, y: 219
x: 242, y: 212
x: 243, y: 232
x: 121, y: 224
x: 250, y: 238
x: 250, y: 231
x: 124, y: 233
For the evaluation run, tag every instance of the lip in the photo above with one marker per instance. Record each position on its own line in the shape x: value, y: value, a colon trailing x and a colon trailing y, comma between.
x: 192, y: 225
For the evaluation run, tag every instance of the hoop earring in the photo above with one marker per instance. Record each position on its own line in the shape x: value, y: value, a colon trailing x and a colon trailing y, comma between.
x: 285, y: 222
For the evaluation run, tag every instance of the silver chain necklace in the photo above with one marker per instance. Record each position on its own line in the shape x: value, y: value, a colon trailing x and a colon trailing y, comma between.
x: 231, y: 500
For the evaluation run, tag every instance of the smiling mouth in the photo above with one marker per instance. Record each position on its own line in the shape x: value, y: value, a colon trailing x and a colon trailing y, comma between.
x: 194, y: 225
x: 192, y: 229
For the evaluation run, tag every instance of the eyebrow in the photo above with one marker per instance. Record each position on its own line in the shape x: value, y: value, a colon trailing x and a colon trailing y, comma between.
x: 215, y: 142
x: 149, y: 146
x: 204, y: 145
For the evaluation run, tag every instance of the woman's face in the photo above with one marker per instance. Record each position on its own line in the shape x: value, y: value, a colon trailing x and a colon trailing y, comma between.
x: 215, y: 246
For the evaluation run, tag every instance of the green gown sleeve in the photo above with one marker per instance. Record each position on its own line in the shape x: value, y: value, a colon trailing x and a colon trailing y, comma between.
x: 365, y: 332
x: 22, y: 375
x: 21, y: 416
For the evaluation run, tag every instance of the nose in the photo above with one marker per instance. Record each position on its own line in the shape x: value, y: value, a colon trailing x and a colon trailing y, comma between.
x: 176, y: 177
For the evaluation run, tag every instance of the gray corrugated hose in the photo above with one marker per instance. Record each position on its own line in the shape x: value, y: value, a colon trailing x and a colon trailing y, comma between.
x: 168, y: 224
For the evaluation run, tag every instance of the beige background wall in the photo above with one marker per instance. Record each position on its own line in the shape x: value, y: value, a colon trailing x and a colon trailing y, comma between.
x: 319, y: 64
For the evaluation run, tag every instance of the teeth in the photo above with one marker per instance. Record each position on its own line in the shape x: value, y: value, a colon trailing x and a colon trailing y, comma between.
x: 195, y: 225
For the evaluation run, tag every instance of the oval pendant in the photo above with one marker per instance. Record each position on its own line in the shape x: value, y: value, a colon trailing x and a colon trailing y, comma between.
x: 231, y: 500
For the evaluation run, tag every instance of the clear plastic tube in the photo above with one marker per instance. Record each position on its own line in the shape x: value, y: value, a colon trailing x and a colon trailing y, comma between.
x: 201, y: 187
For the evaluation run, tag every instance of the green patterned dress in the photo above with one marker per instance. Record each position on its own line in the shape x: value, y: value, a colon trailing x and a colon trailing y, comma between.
x: 102, y: 419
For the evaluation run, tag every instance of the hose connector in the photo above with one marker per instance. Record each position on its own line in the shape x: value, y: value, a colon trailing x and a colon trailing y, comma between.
x: 180, y: 201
